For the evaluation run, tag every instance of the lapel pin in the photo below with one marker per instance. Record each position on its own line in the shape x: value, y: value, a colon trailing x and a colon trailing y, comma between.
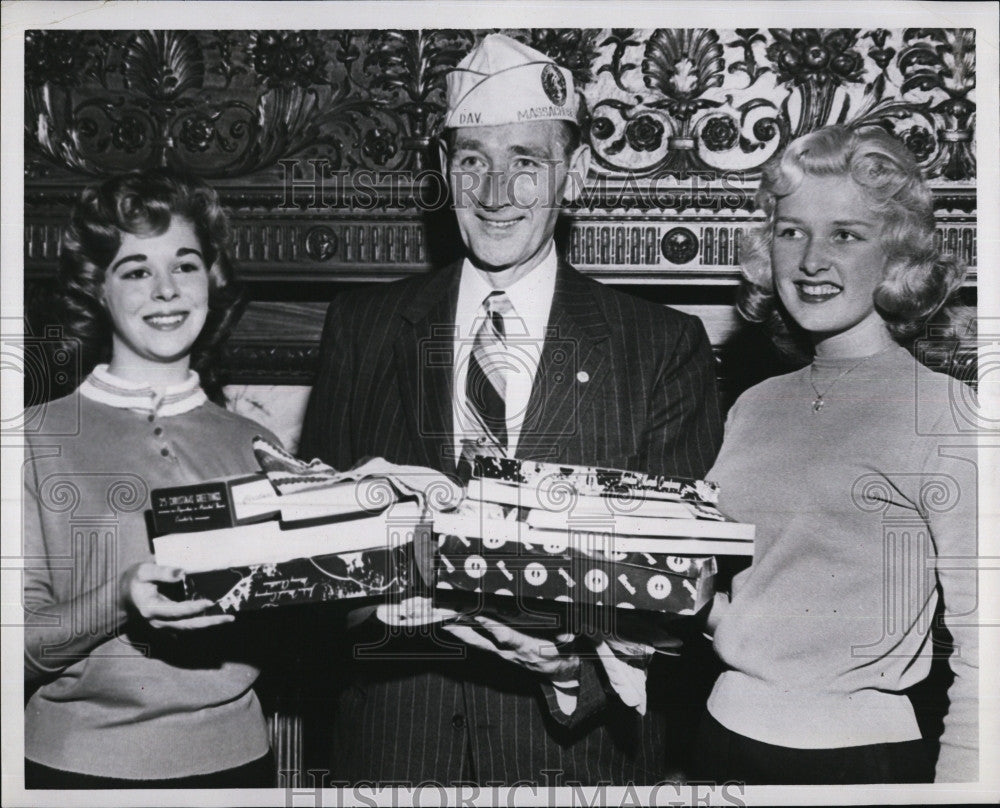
x: 583, y: 377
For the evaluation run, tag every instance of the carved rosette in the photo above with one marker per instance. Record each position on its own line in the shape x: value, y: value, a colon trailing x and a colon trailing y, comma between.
x: 663, y: 103
x: 668, y: 103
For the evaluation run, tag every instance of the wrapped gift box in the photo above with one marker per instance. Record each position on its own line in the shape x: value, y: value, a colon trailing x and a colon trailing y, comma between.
x: 213, y: 505
x: 380, y: 573
x: 593, y: 480
x: 264, y: 564
x: 677, y: 585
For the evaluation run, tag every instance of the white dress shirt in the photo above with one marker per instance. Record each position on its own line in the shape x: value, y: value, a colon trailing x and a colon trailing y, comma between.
x: 531, y: 298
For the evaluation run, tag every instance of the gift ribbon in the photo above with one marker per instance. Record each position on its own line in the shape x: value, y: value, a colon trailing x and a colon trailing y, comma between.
x: 289, y: 474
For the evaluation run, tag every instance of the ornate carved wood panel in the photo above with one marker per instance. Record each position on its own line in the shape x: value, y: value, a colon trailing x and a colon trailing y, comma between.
x: 322, y: 143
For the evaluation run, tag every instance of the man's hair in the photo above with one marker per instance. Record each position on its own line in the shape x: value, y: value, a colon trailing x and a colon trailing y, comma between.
x: 144, y: 204
x: 920, y: 281
x: 569, y: 135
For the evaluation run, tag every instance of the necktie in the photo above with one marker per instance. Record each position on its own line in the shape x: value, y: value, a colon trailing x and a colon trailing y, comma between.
x: 486, y: 382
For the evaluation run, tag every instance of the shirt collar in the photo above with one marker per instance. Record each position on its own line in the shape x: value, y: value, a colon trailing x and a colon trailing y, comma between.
x: 531, y: 296
x: 106, y: 388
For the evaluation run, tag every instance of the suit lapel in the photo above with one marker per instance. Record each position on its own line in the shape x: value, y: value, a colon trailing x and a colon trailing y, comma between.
x: 572, y: 368
x: 424, y: 362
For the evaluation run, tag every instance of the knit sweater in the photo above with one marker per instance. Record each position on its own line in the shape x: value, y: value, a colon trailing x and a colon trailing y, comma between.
x: 146, y: 703
x: 860, y: 510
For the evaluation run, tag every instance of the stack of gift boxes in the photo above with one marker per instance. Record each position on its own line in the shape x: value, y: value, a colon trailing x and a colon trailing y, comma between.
x: 292, y: 535
x: 525, y: 532
x: 597, y: 537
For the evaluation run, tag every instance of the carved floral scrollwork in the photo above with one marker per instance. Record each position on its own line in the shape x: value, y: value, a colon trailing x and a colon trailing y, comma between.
x: 728, y: 100
x: 816, y: 62
x: 662, y: 103
x: 942, y: 63
x: 573, y: 48
x: 680, y: 66
x: 407, y: 70
x: 679, y: 119
x: 290, y: 57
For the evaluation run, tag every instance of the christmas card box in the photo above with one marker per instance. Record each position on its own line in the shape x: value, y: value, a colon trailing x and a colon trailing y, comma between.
x: 248, y: 499
x: 213, y: 505
x: 379, y: 573
x: 270, y: 564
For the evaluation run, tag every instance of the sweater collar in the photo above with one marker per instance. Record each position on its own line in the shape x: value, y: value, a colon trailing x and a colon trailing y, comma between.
x: 106, y: 388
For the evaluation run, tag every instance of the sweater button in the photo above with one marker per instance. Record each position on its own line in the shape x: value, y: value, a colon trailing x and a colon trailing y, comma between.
x: 150, y: 417
x: 458, y: 721
x: 164, y: 451
x: 158, y: 431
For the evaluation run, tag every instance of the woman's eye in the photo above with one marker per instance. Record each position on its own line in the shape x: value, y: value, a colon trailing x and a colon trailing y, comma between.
x: 789, y: 232
x: 525, y: 163
x: 846, y: 236
x: 135, y: 274
x: 189, y: 266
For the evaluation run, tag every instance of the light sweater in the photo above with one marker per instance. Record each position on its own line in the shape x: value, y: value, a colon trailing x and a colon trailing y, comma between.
x: 860, y: 510
x: 147, y: 703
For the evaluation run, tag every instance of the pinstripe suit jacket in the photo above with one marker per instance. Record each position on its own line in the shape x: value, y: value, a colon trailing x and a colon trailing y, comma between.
x: 621, y: 382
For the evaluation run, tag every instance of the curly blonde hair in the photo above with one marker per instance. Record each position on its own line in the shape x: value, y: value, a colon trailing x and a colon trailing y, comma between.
x: 920, y: 282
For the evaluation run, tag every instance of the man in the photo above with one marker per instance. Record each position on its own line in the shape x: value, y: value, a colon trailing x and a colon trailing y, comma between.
x: 510, y: 350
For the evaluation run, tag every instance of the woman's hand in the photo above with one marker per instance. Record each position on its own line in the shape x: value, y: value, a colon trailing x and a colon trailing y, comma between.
x: 139, y: 592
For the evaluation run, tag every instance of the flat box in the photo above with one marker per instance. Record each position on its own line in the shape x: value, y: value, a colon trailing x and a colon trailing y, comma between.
x: 558, y: 496
x: 675, y: 585
x: 379, y: 573
x: 213, y: 505
x: 558, y: 478
x: 271, y: 542
x: 666, y: 537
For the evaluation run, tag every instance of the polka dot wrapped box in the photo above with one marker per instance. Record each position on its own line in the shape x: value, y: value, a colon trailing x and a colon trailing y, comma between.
x: 610, y: 538
x: 519, y: 562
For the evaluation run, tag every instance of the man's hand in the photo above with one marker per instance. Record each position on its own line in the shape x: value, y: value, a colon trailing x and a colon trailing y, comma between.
x: 625, y: 664
x: 532, y: 653
x: 139, y: 592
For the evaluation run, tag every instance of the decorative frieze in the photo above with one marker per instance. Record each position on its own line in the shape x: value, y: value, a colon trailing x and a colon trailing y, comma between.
x: 663, y: 102
x: 322, y: 143
x: 618, y: 251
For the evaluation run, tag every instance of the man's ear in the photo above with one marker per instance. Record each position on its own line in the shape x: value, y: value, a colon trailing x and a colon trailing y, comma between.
x: 576, y: 177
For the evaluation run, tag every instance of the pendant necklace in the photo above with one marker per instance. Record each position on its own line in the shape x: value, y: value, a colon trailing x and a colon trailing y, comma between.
x: 819, y: 401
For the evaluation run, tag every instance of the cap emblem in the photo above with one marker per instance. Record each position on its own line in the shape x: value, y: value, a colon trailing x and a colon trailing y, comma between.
x: 554, y: 85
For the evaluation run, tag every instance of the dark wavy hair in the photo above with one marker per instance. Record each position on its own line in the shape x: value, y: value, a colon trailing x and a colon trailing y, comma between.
x: 144, y: 203
x: 921, y: 283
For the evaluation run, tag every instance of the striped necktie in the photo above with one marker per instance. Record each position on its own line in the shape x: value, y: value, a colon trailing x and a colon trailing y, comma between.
x: 486, y: 382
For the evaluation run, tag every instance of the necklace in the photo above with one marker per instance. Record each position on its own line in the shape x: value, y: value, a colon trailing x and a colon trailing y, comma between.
x: 819, y: 401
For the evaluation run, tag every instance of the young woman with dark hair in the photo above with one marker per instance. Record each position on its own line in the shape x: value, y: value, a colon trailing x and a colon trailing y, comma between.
x: 134, y: 689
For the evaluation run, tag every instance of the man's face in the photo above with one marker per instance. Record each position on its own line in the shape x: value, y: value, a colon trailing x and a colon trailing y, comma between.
x: 508, y: 184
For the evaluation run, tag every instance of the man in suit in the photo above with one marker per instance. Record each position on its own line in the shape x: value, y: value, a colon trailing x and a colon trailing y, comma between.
x: 514, y: 350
